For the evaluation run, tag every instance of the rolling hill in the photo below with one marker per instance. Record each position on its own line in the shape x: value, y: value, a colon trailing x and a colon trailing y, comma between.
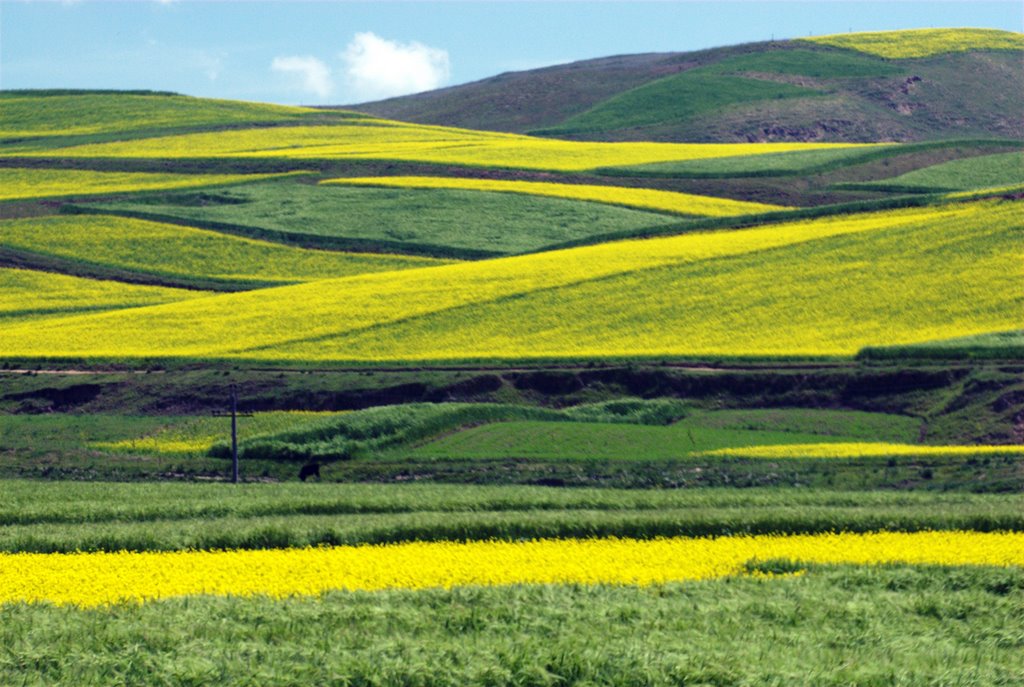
x: 825, y: 287
x: 895, y: 86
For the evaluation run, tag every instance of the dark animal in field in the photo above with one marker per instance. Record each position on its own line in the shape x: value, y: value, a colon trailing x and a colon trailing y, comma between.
x: 309, y: 470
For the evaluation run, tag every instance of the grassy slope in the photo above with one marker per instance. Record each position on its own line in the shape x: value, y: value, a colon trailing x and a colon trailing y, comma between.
x: 888, y: 278
x: 674, y: 99
x: 986, y: 171
x: 29, y: 114
x: 184, y: 254
x: 972, y: 92
x: 432, y: 222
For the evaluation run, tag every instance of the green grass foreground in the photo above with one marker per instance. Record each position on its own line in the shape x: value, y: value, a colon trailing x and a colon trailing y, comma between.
x: 878, y: 626
x: 49, y: 517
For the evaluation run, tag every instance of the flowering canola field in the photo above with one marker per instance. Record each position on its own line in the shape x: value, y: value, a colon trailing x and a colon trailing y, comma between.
x: 28, y: 295
x: 184, y: 252
x: 47, y: 183
x: 646, y: 199
x: 862, y: 450
x: 923, y: 42
x: 384, y: 140
x: 93, y: 579
x: 818, y: 287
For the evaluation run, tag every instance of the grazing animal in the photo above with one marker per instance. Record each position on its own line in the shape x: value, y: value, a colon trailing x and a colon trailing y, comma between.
x: 309, y: 470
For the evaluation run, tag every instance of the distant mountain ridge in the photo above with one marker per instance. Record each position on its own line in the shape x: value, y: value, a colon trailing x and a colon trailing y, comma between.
x: 893, y: 86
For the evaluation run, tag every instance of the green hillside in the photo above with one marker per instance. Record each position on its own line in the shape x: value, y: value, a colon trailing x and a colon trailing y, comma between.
x: 856, y: 87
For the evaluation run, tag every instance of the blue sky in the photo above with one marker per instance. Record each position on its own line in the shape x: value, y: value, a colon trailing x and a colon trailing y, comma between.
x: 345, y: 52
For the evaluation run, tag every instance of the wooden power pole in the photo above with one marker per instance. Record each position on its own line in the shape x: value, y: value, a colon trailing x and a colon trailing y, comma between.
x: 234, y: 431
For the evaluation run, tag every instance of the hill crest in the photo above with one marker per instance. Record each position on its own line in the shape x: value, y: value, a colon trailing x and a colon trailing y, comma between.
x: 944, y: 83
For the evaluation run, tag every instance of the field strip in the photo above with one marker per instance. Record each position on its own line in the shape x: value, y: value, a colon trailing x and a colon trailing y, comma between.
x: 171, y: 250
x: 419, y: 143
x: 861, y: 450
x: 19, y: 184
x: 641, y: 198
x: 913, y: 43
x: 93, y: 579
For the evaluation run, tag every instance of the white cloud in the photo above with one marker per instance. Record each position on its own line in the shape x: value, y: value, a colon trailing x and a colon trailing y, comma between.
x: 378, y: 68
x: 313, y: 75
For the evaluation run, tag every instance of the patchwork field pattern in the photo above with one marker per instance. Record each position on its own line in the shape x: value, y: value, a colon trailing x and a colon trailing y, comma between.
x: 515, y: 307
x: 551, y: 449
x: 644, y: 199
x: 381, y: 140
x: 436, y: 222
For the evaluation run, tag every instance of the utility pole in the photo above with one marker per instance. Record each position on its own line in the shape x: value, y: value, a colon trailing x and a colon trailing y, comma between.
x: 234, y: 431
x: 234, y: 435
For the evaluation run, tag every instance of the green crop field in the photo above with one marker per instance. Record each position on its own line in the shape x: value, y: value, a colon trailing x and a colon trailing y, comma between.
x: 185, y: 254
x: 73, y: 516
x: 431, y: 222
x: 987, y: 171
x: 845, y: 625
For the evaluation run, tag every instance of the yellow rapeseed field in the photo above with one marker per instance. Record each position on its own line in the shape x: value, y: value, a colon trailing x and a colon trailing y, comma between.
x: 183, y: 252
x: 816, y: 287
x: 92, y: 579
x: 31, y: 295
x: 923, y: 42
x: 265, y: 323
x: 383, y: 140
x: 196, y: 435
x: 18, y: 183
x: 643, y: 198
x: 860, y: 450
